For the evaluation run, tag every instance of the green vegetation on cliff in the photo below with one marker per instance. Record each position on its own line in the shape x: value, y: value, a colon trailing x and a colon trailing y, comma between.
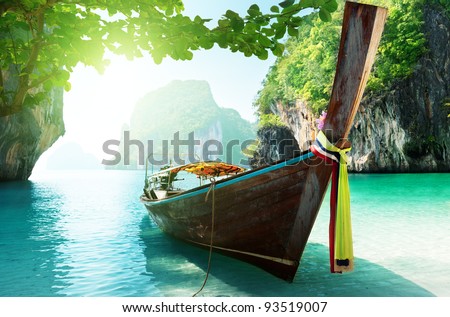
x: 306, y: 70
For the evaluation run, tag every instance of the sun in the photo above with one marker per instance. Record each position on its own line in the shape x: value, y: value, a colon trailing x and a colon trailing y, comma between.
x: 98, y: 105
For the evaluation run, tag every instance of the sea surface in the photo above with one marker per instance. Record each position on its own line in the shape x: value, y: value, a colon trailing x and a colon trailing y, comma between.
x: 86, y: 234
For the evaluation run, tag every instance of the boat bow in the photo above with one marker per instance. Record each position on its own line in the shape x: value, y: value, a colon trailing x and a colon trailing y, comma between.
x: 265, y: 216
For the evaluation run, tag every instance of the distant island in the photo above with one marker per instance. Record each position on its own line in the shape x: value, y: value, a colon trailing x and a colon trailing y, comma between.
x: 72, y: 156
x: 180, y: 123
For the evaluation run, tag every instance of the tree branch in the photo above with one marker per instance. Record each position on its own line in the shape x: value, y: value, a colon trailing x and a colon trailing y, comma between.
x: 24, y: 86
x: 41, y: 80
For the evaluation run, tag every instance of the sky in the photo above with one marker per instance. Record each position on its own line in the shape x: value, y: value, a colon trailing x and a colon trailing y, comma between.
x: 97, y: 106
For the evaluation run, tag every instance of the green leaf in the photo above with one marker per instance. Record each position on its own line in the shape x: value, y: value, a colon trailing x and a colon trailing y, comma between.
x: 222, y: 41
x: 286, y: 3
x: 206, y: 43
x: 263, y: 55
x: 250, y: 27
x: 261, y: 20
x: 254, y: 7
x: 22, y: 25
x: 330, y: 5
x: 324, y: 15
x: 264, y: 41
x: 157, y: 56
x: 247, y: 51
x: 63, y: 76
x: 170, y: 10
x: 67, y: 86
x: 198, y: 19
x: 48, y: 85
x: 275, y: 9
x: 278, y: 49
x: 237, y: 24
x: 254, y: 10
x: 280, y: 30
x: 308, y: 3
x: 224, y: 23
x: 268, y: 31
x: 296, y: 21
x: 292, y: 31
x: 231, y: 14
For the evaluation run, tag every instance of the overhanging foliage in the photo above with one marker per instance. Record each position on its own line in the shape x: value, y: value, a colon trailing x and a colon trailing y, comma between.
x: 41, y: 41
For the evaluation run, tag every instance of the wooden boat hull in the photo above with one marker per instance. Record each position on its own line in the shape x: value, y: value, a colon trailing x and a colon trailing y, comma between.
x: 254, y: 215
x: 265, y: 216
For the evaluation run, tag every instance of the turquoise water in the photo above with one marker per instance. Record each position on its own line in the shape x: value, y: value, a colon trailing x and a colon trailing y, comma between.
x: 86, y: 234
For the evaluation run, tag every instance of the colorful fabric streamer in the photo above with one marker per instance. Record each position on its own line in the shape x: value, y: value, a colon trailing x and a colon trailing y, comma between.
x: 340, y: 230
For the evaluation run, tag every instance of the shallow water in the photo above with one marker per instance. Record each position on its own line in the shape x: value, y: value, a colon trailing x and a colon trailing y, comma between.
x: 87, y: 234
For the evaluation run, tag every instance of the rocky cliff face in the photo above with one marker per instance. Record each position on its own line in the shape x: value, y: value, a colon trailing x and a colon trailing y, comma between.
x: 186, y: 111
x: 28, y: 134
x: 276, y: 143
x: 212, y: 133
x: 300, y: 120
x: 405, y: 129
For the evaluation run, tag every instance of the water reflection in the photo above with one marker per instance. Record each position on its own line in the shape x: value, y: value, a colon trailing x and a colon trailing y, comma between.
x: 179, y: 270
x: 73, y: 235
x: 30, y: 239
x: 87, y: 234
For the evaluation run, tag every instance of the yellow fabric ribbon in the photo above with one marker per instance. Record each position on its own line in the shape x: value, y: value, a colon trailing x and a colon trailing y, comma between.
x: 341, y: 242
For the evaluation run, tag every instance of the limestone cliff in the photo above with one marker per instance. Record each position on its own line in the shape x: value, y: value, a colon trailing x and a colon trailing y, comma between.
x: 181, y: 122
x: 26, y: 135
x: 405, y: 129
x: 276, y: 143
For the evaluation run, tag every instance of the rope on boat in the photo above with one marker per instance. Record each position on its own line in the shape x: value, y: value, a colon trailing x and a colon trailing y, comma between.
x: 211, y: 189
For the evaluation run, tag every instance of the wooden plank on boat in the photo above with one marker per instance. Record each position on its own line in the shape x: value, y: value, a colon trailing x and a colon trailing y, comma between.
x: 361, y: 34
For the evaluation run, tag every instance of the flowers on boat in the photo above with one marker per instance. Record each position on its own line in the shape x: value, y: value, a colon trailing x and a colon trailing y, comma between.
x: 321, y: 121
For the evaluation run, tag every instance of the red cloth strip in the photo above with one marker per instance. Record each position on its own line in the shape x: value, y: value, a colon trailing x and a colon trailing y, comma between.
x: 333, y: 205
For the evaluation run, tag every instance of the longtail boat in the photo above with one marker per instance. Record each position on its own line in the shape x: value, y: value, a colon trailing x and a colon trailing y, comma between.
x: 264, y: 216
